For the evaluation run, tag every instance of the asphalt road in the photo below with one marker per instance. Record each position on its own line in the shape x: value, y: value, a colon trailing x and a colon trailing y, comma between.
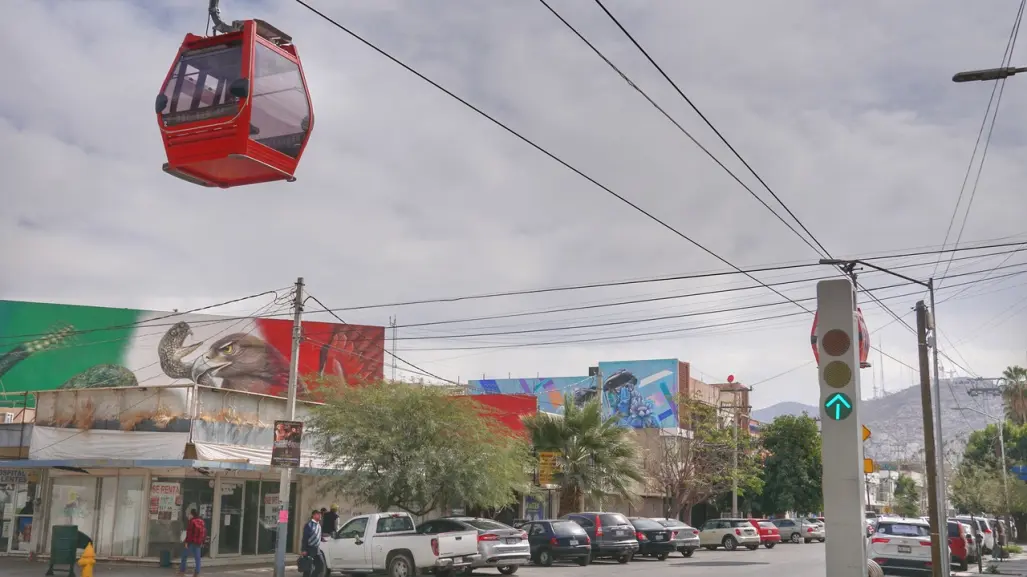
x: 783, y: 560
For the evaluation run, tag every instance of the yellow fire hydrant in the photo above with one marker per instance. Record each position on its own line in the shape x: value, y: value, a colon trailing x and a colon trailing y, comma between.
x: 87, y: 561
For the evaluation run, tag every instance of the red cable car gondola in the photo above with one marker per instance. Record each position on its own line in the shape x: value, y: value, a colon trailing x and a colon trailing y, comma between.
x: 235, y: 109
x: 864, y: 339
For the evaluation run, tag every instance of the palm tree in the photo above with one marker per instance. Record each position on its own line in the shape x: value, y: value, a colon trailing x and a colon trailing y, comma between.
x: 1014, y: 394
x: 597, y: 456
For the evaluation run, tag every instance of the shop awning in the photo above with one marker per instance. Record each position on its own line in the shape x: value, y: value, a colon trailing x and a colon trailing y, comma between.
x: 151, y: 464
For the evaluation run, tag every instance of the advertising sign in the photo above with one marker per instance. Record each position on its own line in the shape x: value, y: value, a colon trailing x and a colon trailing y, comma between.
x: 286, y: 450
x: 547, y: 466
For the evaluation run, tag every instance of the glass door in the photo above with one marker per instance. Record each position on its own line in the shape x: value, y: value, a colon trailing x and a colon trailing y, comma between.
x: 230, y: 523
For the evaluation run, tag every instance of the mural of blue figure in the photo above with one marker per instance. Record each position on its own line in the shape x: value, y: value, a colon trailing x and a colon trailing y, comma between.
x: 625, y: 402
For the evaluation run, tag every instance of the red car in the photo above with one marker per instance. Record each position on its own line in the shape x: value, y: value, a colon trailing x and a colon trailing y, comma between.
x: 769, y: 533
x: 958, y: 545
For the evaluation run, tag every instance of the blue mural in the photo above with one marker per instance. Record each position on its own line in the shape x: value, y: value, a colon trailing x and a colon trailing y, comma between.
x: 550, y: 391
x: 642, y: 393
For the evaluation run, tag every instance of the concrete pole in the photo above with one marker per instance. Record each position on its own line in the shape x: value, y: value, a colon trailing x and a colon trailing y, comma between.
x: 286, y: 479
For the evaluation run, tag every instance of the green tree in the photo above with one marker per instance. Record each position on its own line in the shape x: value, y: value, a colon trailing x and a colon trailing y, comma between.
x: 793, y: 470
x: 977, y: 489
x: 1014, y: 394
x: 698, y: 467
x: 418, y: 448
x: 596, y: 456
x: 907, y: 497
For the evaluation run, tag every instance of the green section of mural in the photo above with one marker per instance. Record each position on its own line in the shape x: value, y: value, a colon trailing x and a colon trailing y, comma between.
x: 82, y: 335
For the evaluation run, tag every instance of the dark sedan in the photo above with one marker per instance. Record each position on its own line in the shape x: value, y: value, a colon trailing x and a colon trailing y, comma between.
x: 654, y: 540
x: 557, y: 540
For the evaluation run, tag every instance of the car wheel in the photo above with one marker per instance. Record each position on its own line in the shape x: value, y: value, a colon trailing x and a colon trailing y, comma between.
x: 661, y: 557
x: 508, y: 569
x: 769, y: 545
x: 795, y: 538
x: 545, y: 558
x: 688, y: 552
x: 623, y: 559
x: 401, y: 566
x: 584, y: 561
x: 821, y: 540
x: 729, y: 543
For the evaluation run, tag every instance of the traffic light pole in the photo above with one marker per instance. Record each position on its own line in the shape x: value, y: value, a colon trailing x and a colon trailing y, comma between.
x: 937, y: 560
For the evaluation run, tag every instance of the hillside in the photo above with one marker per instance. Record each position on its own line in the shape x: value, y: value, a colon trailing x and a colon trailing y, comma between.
x: 896, y: 420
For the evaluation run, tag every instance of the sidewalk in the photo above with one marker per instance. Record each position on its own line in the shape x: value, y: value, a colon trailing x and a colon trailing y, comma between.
x: 1015, y: 565
x: 21, y: 567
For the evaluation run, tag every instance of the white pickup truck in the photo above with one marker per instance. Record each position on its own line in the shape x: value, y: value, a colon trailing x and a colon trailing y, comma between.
x: 387, y: 544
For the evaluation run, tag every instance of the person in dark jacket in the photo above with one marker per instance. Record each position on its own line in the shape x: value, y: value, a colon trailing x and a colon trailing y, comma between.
x: 312, y: 537
x: 330, y: 521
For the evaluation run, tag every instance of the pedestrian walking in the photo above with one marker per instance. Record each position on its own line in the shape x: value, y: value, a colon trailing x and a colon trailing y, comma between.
x: 312, y: 537
x: 195, y: 535
x: 998, y: 551
x: 330, y: 521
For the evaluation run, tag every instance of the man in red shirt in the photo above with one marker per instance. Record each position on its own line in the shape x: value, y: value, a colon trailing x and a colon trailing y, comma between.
x: 195, y: 535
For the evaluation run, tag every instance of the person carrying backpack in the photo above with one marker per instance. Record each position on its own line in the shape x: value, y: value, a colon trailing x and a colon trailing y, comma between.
x: 195, y: 535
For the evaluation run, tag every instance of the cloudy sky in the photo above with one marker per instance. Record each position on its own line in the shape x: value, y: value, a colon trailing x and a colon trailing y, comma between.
x: 846, y: 109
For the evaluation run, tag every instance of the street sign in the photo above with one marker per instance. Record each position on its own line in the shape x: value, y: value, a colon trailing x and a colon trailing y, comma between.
x: 866, y: 433
x: 546, y: 466
x: 868, y: 466
x: 839, y: 406
x: 838, y: 341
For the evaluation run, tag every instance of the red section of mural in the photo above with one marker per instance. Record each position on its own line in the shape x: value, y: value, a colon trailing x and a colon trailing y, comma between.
x: 355, y: 353
x: 508, y: 409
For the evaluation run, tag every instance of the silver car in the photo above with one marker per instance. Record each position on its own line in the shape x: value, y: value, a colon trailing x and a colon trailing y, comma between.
x: 500, y: 546
x: 684, y: 537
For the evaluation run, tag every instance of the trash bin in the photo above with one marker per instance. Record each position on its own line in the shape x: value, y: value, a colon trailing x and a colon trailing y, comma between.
x: 63, y: 548
x: 165, y: 558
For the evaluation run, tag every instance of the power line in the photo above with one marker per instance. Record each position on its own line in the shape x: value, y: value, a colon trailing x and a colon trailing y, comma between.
x: 667, y: 115
x: 823, y: 251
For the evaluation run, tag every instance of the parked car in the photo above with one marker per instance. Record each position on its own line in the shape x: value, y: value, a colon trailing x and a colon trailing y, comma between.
x: 794, y: 530
x: 957, y: 545
x: 684, y: 536
x: 819, y: 528
x: 612, y: 534
x: 973, y: 550
x: 902, y: 545
x: 500, y: 546
x: 769, y: 533
x: 557, y: 540
x: 985, y: 535
x: 653, y: 539
x: 729, y: 534
x: 389, y: 543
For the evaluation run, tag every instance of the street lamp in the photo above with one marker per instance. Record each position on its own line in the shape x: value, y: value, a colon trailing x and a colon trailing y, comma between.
x: 1002, y: 450
x: 987, y: 74
x: 931, y: 410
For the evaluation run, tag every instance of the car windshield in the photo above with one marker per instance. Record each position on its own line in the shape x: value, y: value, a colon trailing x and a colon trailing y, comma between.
x: 904, y: 529
x: 486, y: 524
x: 740, y: 523
x: 613, y: 519
x: 645, y: 524
x: 953, y: 529
x: 567, y: 528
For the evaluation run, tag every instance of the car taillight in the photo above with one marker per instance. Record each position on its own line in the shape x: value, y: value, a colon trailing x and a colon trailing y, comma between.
x: 553, y: 541
x: 879, y: 540
x: 738, y: 531
x: 587, y: 540
x: 987, y: 530
x: 435, y: 547
x: 673, y: 535
x: 524, y: 535
x: 488, y: 537
x: 695, y: 531
x: 599, y: 527
x: 640, y: 536
x: 925, y: 543
x: 810, y: 530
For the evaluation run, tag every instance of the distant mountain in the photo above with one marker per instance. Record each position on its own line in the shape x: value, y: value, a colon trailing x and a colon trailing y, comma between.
x: 896, y: 420
x: 787, y: 408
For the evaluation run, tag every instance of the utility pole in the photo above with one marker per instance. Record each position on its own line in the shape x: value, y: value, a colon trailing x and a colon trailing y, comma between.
x: 942, y: 494
x: 392, y: 325
x: 285, y: 483
x: 923, y: 323
x: 735, y: 417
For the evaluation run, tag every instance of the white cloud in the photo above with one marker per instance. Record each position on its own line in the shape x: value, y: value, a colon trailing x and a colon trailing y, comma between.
x: 403, y: 194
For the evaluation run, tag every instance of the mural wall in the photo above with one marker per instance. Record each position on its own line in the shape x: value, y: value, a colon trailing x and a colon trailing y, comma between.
x: 51, y: 346
x: 508, y: 410
x: 550, y: 390
x: 642, y: 393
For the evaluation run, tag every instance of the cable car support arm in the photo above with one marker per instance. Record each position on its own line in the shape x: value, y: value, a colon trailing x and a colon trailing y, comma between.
x: 220, y: 26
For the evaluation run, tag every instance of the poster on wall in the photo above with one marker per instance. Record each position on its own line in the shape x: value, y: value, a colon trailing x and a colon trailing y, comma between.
x: 286, y: 450
x: 641, y: 394
x: 272, y: 506
x: 165, y: 500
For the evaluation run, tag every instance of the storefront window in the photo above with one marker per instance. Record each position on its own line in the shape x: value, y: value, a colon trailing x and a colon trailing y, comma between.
x: 18, y: 504
x: 260, y: 518
x: 121, y: 499
x: 171, y: 499
x: 73, y: 502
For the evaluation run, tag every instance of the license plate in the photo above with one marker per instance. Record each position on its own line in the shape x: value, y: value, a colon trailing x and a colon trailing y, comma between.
x: 619, y: 533
x: 660, y: 537
x: 513, y: 541
x: 573, y: 542
x: 905, y: 549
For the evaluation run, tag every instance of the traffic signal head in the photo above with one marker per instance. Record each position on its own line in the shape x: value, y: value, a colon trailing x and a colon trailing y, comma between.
x: 838, y: 350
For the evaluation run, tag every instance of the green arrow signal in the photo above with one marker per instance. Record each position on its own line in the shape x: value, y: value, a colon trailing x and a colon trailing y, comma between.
x: 838, y: 406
